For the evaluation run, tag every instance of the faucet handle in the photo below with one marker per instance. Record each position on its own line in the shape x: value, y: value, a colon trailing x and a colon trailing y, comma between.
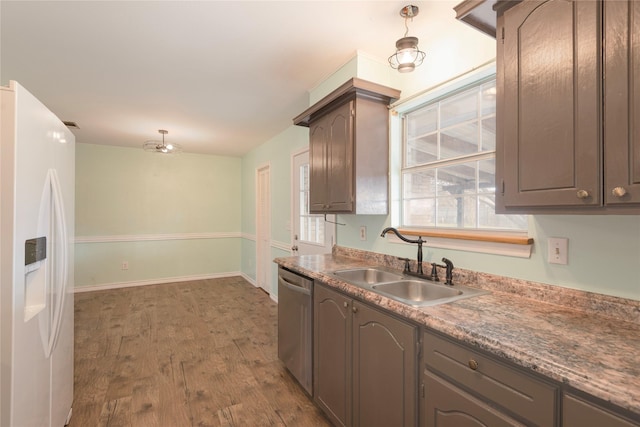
x: 407, y: 268
x: 434, y: 272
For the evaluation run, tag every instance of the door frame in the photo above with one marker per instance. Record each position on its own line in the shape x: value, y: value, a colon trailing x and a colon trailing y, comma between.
x: 263, y: 236
x: 330, y: 219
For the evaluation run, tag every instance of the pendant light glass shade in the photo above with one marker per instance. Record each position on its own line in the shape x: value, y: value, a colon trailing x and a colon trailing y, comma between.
x: 160, y: 146
x: 407, y: 56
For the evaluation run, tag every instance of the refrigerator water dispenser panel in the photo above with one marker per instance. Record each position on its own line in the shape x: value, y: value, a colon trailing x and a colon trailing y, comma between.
x: 35, y: 250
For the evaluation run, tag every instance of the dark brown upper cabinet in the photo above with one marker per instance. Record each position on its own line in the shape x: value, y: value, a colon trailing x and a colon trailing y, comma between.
x: 479, y: 14
x: 349, y: 149
x: 566, y: 111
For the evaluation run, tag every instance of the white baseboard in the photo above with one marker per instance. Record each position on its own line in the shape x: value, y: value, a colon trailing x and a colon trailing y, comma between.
x: 249, y: 279
x: 106, y: 286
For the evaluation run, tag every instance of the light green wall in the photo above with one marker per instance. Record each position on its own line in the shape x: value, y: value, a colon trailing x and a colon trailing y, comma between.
x: 277, y: 154
x: 604, y: 251
x: 133, y: 195
x: 129, y: 191
x: 99, y: 263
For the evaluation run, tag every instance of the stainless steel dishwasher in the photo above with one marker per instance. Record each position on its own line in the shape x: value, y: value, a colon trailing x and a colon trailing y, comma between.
x: 295, y: 325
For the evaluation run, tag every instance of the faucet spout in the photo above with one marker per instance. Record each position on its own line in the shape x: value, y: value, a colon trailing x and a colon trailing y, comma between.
x: 417, y: 241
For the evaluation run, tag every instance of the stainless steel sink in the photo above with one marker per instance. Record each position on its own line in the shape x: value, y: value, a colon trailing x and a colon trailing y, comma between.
x: 421, y: 293
x: 368, y: 276
x: 417, y: 290
x: 408, y: 290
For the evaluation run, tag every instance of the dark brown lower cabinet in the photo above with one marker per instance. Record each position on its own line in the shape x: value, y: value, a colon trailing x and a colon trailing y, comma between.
x: 365, y: 363
x: 577, y: 412
x: 448, y: 406
x: 466, y: 387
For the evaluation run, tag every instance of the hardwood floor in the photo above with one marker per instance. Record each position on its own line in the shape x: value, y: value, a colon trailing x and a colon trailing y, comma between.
x: 200, y: 353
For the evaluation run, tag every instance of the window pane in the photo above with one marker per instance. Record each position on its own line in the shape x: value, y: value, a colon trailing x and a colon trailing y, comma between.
x: 458, y: 179
x: 419, y: 212
x: 320, y: 229
x: 457, y: 211
x: 422, y: 121
x: 455, y: 185
x: 311, y: 226
x: 489, y: 98
x: 459, y: 140
x: 489, y: 134
x: 487, y: 176
x: 489, y: 220
x: 460, y: 108
x: 419, y: 184
x: 422, y: 150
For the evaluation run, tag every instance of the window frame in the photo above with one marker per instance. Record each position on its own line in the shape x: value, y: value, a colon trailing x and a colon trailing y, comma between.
x: 505, y: 242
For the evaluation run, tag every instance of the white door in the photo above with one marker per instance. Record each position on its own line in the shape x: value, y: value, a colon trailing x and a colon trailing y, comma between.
x: 263, y: 228
x: 311, y: 234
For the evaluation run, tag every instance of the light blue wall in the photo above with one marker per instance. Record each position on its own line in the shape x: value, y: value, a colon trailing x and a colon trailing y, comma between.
x: 169, y: 217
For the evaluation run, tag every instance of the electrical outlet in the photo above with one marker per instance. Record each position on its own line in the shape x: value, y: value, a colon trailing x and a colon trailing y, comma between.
x: 125, y: 265
x: 558, y: 250
x: 363, y: 232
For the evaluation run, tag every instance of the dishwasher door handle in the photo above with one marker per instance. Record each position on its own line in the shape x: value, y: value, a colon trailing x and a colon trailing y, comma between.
x: 293, y: 287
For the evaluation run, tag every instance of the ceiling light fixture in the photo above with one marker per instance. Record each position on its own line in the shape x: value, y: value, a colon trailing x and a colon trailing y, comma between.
x: 161, y: 146
x: 407, y: 56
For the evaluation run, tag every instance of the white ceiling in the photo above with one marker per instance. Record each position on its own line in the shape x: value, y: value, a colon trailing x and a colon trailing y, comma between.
x: 221, y: 76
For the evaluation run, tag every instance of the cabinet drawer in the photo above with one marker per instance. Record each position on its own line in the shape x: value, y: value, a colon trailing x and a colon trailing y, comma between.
x: 577, y: 412
x: 448, y: 406
x: 494, y: 381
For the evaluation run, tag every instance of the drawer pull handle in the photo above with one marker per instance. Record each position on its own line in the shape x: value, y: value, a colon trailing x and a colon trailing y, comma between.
x: 473, y: 364
x: 582, y: 194
x: 619, y: 191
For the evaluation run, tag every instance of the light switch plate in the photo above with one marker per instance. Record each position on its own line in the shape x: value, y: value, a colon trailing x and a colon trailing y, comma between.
x: 558, y: 250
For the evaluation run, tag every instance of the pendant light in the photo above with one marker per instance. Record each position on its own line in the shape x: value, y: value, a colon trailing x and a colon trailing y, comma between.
x: 160, y: 146
x: 407, y: 56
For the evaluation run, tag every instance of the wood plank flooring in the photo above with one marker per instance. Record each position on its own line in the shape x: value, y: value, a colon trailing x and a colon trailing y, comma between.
x: 200, y: 353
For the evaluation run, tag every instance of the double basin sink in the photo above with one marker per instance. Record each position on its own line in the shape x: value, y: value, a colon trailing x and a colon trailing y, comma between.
x: 412, y: 291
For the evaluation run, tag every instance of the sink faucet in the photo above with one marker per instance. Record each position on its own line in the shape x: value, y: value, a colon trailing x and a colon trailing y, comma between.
x: 417, y: 241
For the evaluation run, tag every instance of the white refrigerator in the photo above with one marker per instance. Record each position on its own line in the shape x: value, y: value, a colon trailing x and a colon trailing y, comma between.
x: 37, y: 190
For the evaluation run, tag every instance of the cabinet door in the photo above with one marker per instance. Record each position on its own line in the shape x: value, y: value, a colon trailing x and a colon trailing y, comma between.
x: 384, y: 369
x: 332, y: 354
x: 318, y: 155
x: 340, y: 160
x: 579, y: 413
x: 549, y: 112
x: 622, y: 102
x: 448, y: 406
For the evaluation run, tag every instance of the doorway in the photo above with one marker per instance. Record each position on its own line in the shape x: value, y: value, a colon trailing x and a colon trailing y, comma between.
x: 263, y: 227
x: 311, y: 233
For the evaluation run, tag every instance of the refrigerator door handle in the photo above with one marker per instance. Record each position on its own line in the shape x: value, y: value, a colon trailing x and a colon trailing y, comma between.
x: 60, y: 257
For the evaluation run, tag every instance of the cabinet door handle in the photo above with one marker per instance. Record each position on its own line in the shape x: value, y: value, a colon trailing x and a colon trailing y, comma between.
x: 345, y: 304
x: 354, y: 309
x: 473, y: 364
x: 619, y: 191
x: 582, y: 194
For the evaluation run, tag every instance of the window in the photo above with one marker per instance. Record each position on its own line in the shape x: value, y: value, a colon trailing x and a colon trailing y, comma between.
x: 448, y: 161
x: 311, y: 226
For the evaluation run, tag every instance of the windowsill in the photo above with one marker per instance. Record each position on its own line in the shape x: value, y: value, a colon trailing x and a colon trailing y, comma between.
x: 517, y: 245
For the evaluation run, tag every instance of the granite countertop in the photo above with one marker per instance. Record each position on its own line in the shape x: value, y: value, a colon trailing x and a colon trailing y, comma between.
x: 586, y: 350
